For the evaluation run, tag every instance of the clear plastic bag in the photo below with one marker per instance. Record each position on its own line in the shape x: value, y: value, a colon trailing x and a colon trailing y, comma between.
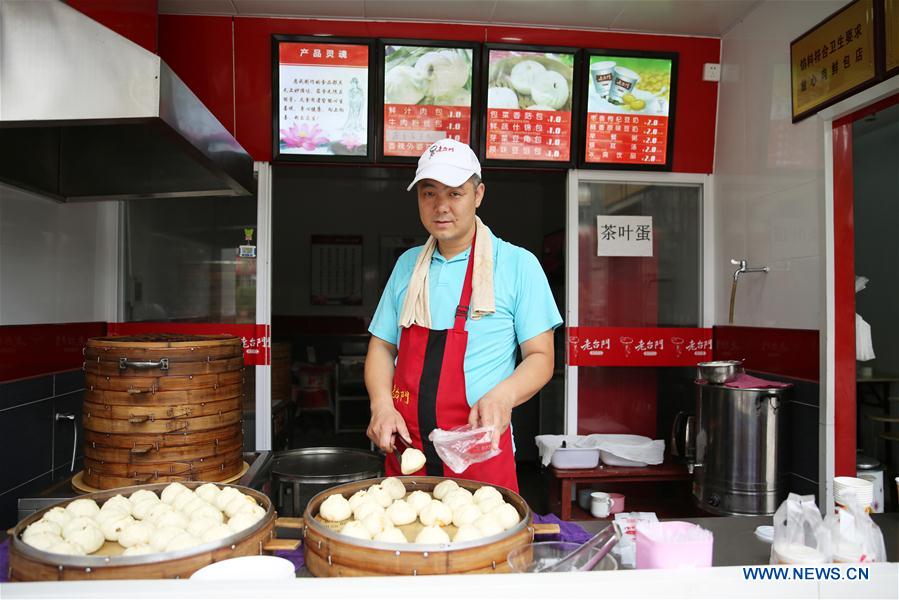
x: 856, y: 538
x: 463, y: 446
x: 800, y: 535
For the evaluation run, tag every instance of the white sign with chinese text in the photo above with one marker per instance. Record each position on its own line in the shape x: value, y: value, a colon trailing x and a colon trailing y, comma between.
x: 623, y: 236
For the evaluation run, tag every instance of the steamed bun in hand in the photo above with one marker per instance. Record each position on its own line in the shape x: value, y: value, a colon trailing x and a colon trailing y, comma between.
x: 412, y: 461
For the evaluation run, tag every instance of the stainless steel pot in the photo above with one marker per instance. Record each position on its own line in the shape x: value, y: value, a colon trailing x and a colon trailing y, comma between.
x: 740, y: 449
x: 720, y: 371
x: 298, y: 475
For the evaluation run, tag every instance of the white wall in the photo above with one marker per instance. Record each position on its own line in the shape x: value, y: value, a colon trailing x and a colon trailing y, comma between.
x: 54, y: 260
x: 769, y: 173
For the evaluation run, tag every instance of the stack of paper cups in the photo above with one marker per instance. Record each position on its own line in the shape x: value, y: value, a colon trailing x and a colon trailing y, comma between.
x: 853, y: 489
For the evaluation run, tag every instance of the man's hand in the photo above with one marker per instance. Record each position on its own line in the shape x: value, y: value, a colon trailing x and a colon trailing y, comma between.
x: 493, y: 409
x: 384, y: 425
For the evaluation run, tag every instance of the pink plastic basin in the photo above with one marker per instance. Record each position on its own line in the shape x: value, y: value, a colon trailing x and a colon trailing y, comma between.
x: 673, y: 544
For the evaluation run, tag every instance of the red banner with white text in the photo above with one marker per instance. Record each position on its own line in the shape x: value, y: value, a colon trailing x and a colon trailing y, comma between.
x: 638, y: 346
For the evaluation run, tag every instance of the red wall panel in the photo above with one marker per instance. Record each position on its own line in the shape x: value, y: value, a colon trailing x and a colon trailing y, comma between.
x: 199, y: 50
x: 29, y: 350
x: 694, y: 135
x: 134, y: 19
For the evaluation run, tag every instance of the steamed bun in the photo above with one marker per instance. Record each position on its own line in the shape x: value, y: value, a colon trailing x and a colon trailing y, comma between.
x: 436, y: 513
x: 138, y: 550
x: 142, y: 495
x: 418, y: 500
x: 112, y: 528
x: 401, y: 513
x: 391, y: 535
x: 485, y: 492
x: 182, y: 541
x: 457, y: 498
x: 217, y: 532
x: 208, y: 492
x: 43, y: 540
x: 376, y: 523
x: 200, y: 526
x: 119, y: 502
x: 172, y: 519
x: 162, y: 536
x: 356, y: 529
x: 66, y: 547
x: 467, y: 533
x: 42, y: 526
x: 335, y: 508
x: 83, y: 507
x: 364, y: 509
x: 394, y: 487
x: 58, y: 515
x: 412, y: 461
x: 357, y: 498
x: 445, y: 487
x: 506, y: 515
x: 242, y: 521
x: 85, y: 533
x: 136, y: 533
x: 431, y: 535
x: 466, y: 514
x: 379, y: 495
x: 488, y: 525
x: 171, y: 491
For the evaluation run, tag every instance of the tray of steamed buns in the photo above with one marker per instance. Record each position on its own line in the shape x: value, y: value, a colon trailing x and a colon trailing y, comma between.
x: 414, y: 526
x: 157, y: 530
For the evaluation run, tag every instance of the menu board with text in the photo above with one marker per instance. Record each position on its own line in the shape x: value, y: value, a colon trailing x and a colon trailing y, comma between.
x: 529, y: 105
x: 427, y: 97
x: 322, y: 99
x: 629, y: 110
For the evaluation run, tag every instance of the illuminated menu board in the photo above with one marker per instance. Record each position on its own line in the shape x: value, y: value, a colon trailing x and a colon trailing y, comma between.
x: 322, y: 100
x: 630, y: 110
x: 530, y: 95
x: 427, y: 97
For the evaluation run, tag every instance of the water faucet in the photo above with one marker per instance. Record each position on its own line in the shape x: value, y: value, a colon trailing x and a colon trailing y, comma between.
x: 745, y: 269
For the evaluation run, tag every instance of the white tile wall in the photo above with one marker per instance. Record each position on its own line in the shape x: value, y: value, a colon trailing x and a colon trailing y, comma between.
x: 769, y: 174
x: 51, y: 260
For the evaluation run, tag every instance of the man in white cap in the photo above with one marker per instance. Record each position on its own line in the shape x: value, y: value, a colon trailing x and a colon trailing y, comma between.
x: 449, y: 324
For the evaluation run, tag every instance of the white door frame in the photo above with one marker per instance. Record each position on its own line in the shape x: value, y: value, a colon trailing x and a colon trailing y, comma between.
x: 707, y: 254
x: 827, y: 318
x: 264, y: 303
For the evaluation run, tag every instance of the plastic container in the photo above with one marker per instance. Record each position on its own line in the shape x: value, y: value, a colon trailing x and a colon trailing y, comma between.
x: 616, y: 461
x: 848, y: 489
x: 672, y: 545
x: 575, y: 458
x: 530, y: 557
x: 796, y: 554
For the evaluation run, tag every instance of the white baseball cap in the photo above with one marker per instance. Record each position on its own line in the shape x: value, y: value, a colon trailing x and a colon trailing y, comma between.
x: 450, y: 162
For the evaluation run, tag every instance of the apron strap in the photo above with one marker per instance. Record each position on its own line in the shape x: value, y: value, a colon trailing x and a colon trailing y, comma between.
x: 465, y: 299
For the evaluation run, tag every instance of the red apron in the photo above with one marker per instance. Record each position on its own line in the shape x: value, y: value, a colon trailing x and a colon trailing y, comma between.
x: 429, y: 392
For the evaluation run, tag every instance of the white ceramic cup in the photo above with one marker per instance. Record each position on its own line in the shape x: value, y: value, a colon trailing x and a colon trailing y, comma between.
x: 600, y: 505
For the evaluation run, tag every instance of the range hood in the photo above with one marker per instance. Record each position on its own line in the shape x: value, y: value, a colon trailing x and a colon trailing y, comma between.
x: 86, y: 114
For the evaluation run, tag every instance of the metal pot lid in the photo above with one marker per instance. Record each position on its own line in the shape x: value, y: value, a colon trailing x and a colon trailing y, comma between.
x: 866, y: 463
x: 327, y: 463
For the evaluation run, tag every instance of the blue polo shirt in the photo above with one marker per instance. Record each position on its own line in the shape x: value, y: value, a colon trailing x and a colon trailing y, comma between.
x: 524, y: 308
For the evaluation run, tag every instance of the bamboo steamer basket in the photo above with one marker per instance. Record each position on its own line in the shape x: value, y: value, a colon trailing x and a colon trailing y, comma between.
x: 161, y: 408
x: 330, y: 554
x: 30, y: 564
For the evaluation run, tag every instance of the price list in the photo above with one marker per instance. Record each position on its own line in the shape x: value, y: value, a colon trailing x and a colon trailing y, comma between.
x: 410, y: 128
x: 529, y: 134
x: 626, y: 139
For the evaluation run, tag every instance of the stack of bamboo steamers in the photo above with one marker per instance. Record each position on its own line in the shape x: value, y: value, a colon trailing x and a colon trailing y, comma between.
x: 162, y: 408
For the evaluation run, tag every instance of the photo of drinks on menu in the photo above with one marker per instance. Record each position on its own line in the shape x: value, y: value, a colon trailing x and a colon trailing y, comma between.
x: 628, y: 106
x: 529, y: 100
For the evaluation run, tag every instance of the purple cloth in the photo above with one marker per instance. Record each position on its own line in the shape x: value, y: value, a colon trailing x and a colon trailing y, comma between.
x: 294, y: 556
x: 744, y: 381
x: 569, y: 532
x: 4, y: 561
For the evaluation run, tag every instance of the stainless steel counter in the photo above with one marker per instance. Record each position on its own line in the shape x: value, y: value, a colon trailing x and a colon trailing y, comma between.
x: 736, y: 544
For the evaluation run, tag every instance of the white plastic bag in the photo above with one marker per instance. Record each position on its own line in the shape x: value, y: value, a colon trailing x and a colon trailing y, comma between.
x: 856, y: 538
x: 800, y: 535
x: 626, y: 549
x: 463, y: 446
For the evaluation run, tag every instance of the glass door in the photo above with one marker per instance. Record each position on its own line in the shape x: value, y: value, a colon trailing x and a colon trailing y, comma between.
x: 635, y: 311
